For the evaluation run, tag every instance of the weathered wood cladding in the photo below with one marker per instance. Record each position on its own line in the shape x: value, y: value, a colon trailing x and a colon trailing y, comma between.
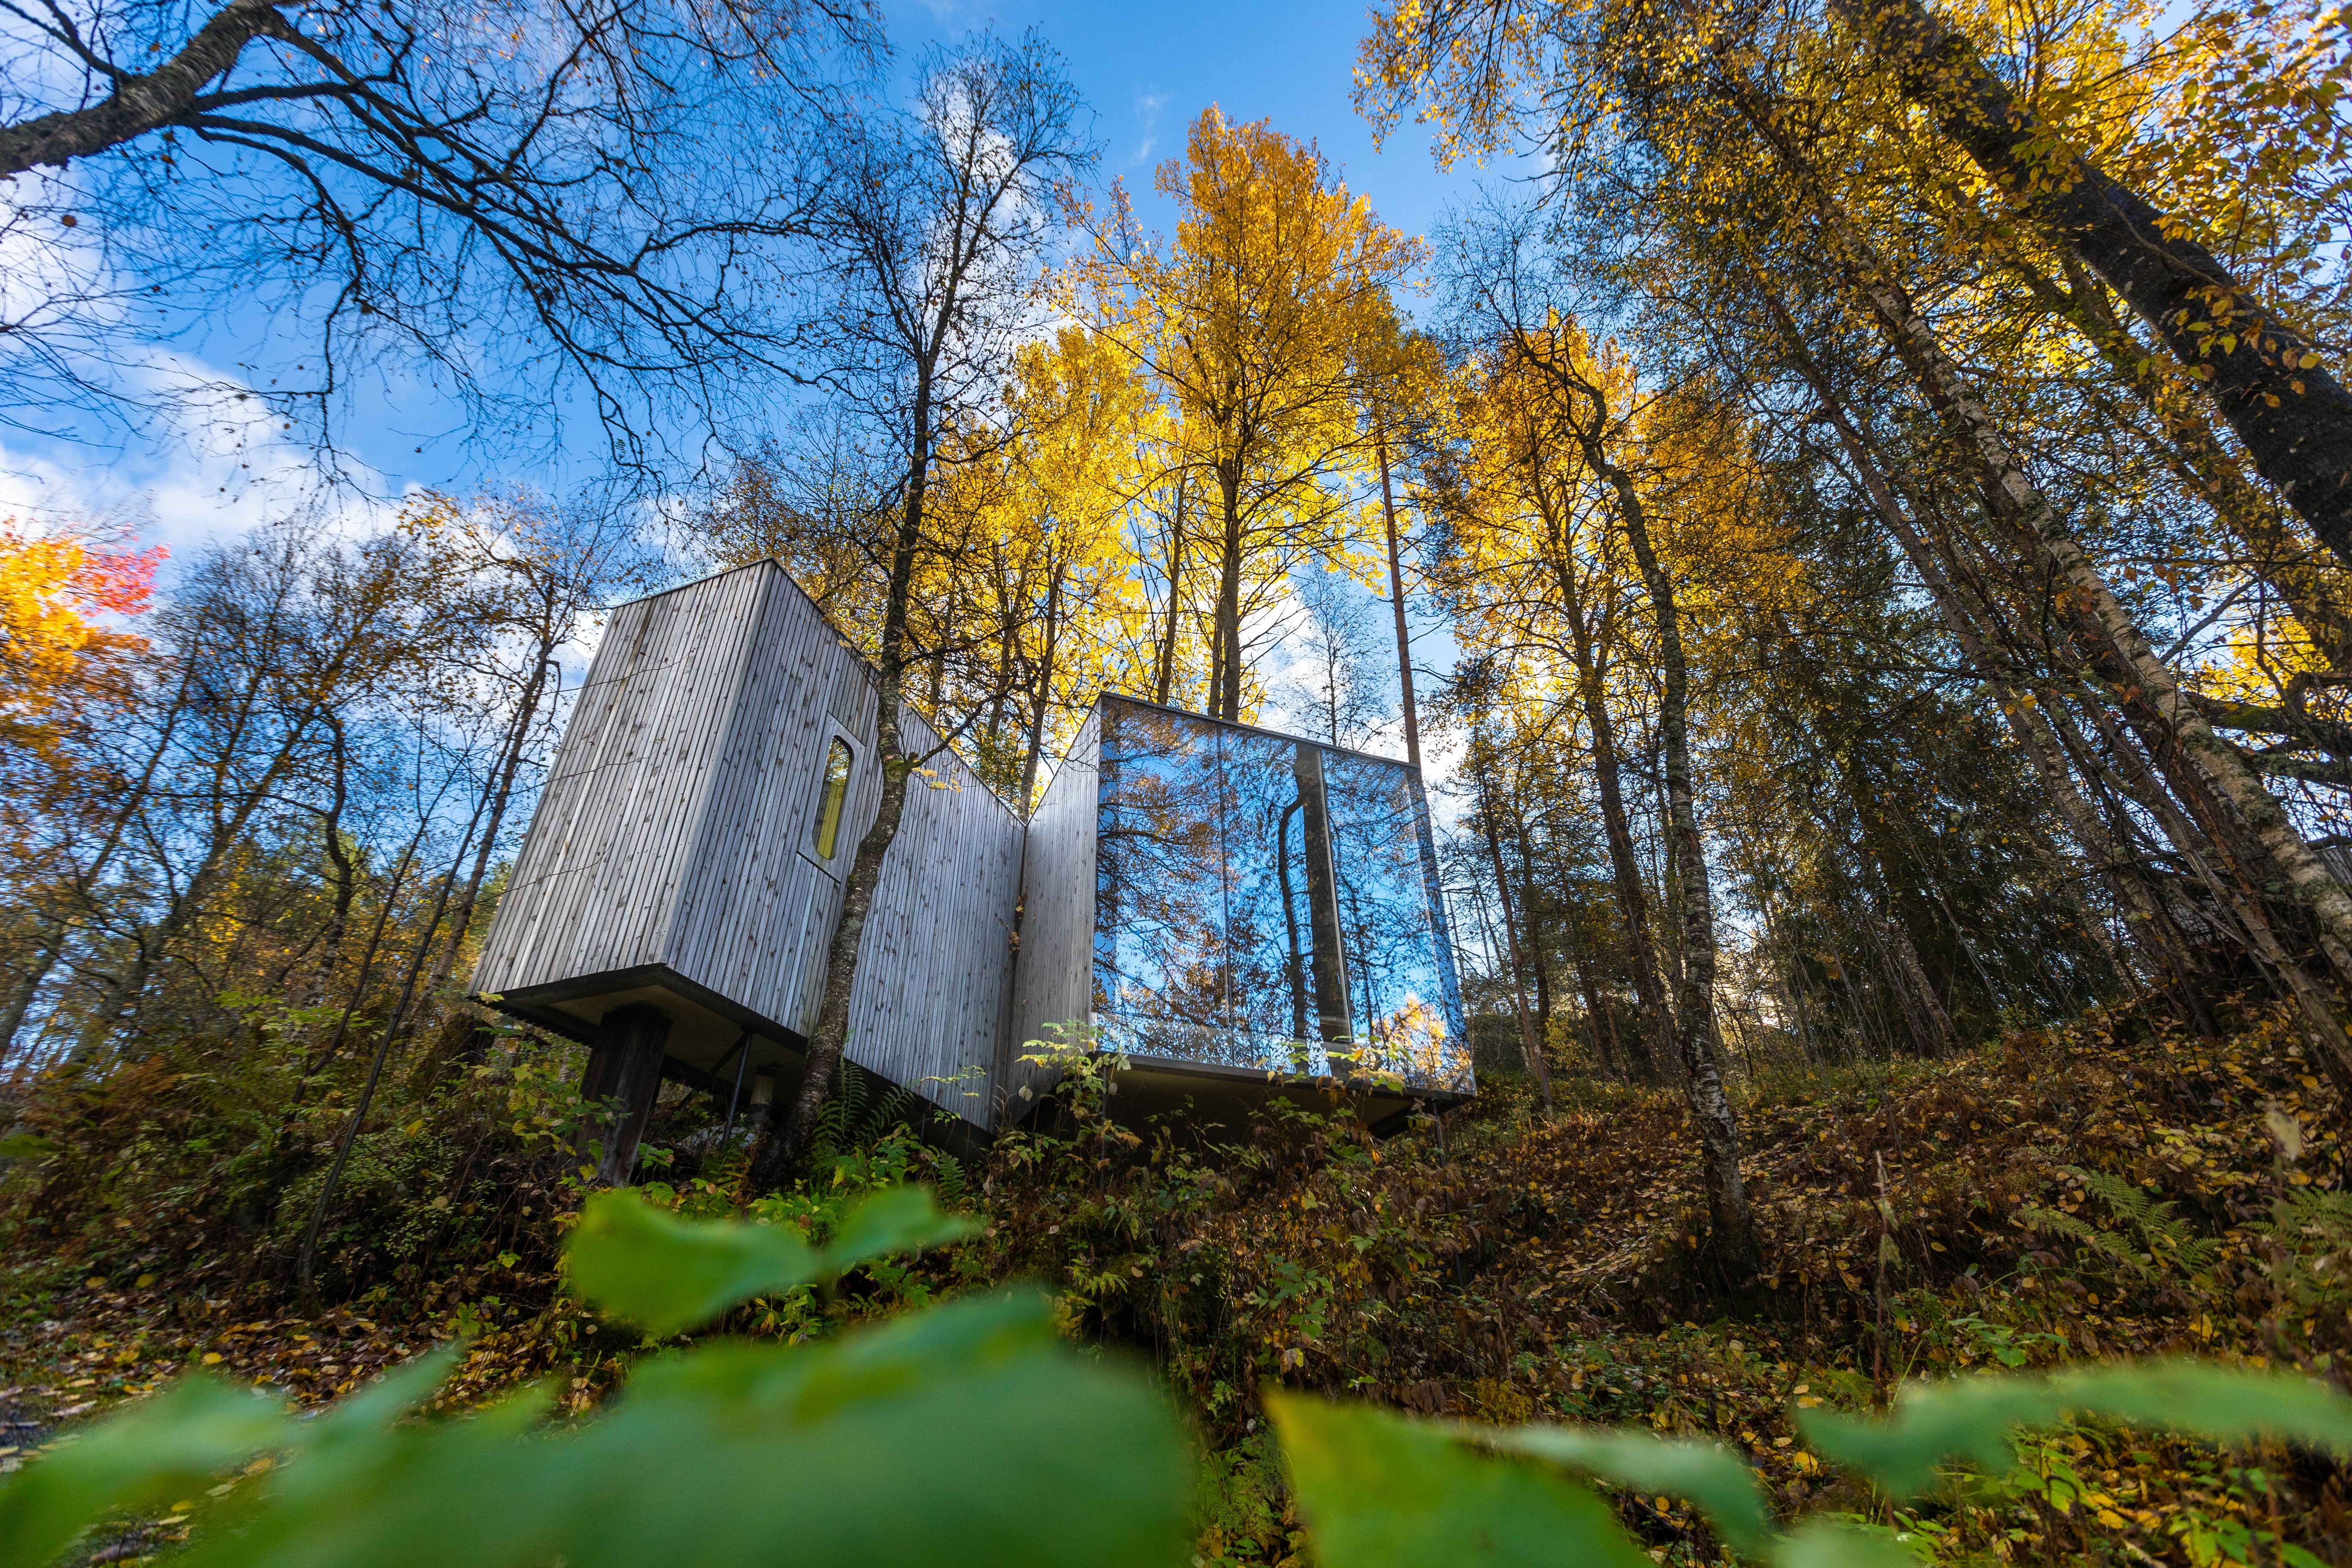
x: 591, y: 889
x: 1053, y: 981
x: 672, y: 858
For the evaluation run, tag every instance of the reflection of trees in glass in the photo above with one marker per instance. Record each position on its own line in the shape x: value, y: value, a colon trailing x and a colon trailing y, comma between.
x: 1387, y: 932
x: 1289, y: 990
x: 1161, y: 923
x: 1260, y: 795
x: 1235, y: 926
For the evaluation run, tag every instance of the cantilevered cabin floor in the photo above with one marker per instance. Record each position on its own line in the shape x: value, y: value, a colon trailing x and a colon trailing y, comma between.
x: 1218, y: 1100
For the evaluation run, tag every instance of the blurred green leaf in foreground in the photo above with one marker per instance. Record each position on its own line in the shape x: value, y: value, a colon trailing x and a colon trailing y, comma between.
x: 970, y: 1433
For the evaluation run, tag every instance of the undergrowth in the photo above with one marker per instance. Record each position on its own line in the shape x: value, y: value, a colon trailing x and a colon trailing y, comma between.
x: 2100, y: 1191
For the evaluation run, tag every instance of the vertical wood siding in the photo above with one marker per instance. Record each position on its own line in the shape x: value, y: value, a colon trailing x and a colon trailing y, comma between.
x: 754, y: 887
x: 1053, y: 981
x: 678, y: 828
x: 595, y: 885
x: 928, y: 1007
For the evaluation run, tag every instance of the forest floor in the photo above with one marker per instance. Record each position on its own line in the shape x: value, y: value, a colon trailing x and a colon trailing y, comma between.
x: 2056, y: 1196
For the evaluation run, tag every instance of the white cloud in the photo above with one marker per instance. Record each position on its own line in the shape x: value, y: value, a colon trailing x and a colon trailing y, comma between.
x: 1147, y: 108
x: 211, y: 467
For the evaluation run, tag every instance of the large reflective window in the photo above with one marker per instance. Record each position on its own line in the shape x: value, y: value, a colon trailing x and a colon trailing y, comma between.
x: 1267, y: 903
x: 1159, y: 917
x: 1406, y: 1009
x: 1290, y: 1000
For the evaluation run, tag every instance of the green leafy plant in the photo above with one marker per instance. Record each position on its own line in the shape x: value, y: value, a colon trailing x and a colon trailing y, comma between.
x: 971, y: 1432
x: 2310, y: 1261
x: 670, y: 1274
x: 930, y: 1439
x: 2146, y: 1240
x: 1974, y: 1417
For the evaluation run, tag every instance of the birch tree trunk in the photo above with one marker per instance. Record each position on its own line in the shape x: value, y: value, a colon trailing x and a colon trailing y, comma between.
x: 1530, y: 1046
x: 1624, y: 863
x: 2294, y: 416
x: 788, y: 1135
x: 2142, y: 680
x: 1694, y: 1021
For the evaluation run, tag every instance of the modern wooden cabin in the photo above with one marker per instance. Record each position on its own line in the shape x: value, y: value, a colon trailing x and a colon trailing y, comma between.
x: 675, y: 891
x: 679, y: 885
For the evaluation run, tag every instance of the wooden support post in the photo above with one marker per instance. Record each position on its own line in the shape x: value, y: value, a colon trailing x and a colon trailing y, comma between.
x: 742, y: 1043
x: 625, y: 1065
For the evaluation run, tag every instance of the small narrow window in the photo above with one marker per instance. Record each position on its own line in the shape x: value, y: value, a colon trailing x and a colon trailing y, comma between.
x: 829, y: 803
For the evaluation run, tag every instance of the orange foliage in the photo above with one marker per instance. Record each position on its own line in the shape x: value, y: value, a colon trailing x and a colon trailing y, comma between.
x: 56, y: 659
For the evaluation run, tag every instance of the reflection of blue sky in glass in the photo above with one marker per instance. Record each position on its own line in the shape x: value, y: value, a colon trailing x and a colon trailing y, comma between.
x: 1406, y: 1011
x: 1205, y: 930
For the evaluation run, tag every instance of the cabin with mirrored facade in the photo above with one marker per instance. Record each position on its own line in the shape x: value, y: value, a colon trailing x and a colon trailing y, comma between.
x: 1239, y: 914
x: 1231, y: 907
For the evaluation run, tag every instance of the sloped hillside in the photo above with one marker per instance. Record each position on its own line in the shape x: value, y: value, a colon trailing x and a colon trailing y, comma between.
x: 2057, y: 1198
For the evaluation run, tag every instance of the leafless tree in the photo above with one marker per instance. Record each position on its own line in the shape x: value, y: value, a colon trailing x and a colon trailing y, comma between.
x: 591, y: 202
x: 938, y: 226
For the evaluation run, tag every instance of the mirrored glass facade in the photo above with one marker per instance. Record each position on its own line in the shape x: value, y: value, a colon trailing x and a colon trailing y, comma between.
x: 1268, y: 903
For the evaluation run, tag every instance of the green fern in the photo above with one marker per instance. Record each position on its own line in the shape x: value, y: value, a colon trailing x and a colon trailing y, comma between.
x: 2145, y: 1239
x: 854, y: 1120
x: 831, y: 1137
x: 2311, y: 1263
x: 948, y: 1176
x: 884, y: 1115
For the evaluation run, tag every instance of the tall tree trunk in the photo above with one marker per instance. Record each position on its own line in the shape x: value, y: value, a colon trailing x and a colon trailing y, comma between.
x: 1008, y: 622
x: 2187, y: 445
x: 1924, y: 1018
x: 2023, y: 718
x: 1599, y: 1017
x: 787, y: 1136
x: 1695, y: 1028
x: 392, y: 1027
x: 461, y: 918
x: 1625, y: 867
x: 2142, y: 682
x: 1297, y: 968
x: 85, y: 880
x: 1691, y: 1026
x: 1163, y: 682
x: 2294, y: 416
x: 1041, y: 693
x: 2238, y: 895
x: 1529, y: 902
x: 1930, y: 1026
x: 28, y: 984
x: 344, y: 873
x: 1226, y: 693
x: 1530, y: 1049
x: 1404, y: 642
x: 1326, y: 961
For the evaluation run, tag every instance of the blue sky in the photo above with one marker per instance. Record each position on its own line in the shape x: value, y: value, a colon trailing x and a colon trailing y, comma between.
x: 1148, y: 71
